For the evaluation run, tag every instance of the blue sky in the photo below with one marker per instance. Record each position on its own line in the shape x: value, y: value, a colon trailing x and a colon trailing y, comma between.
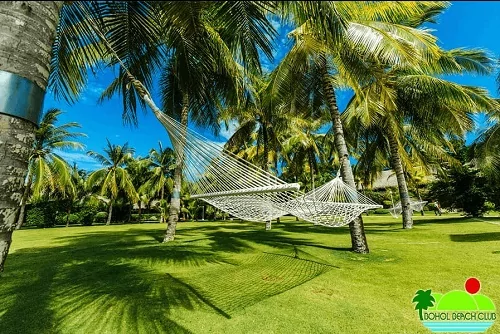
x: 465, y: 24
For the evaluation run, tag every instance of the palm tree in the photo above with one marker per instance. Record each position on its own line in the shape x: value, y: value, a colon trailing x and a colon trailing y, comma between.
x: 28, y: 32
x: 342, y: 38
x: 113, y: 177
x: 198, y: 47
x: 139, y: 172
x: 304, y: 149
x: 260, y: 121
x: 398, y: 105
x: 161, y: 162
x: 423, y: 300
x: 48, y: 171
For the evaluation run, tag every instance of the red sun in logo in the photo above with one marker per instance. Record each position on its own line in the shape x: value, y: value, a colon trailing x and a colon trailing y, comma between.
x: 472, y: 285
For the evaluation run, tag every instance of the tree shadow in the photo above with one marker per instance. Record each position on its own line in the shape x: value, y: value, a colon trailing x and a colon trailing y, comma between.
x: 475, y: 237
x: 99, y: 282
x: 125, y: 281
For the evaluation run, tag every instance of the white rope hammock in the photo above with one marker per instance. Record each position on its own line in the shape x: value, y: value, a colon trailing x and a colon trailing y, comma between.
x: 245, y: 191
x: 415, y: 205
x: 333, y: 204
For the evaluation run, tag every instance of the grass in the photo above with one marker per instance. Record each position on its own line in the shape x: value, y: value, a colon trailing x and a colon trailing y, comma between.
x: 236, y: 277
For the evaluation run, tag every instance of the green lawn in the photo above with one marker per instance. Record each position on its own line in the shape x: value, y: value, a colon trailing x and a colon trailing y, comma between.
x: 232, y: 277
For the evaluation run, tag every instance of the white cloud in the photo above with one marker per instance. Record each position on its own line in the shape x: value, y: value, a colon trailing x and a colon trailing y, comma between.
x: 275, y: 23
x: 81, y: 159
x: 74, y: 156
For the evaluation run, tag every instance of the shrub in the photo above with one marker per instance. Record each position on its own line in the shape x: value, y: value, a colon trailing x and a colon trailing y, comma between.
x: 489, y: 206
x: 41, y: 215
x: 86, y: 215
x: 100, y: 217
x: 380, y: 211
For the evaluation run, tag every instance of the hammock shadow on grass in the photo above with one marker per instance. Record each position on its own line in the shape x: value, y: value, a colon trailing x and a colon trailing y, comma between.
x: 229, y: 289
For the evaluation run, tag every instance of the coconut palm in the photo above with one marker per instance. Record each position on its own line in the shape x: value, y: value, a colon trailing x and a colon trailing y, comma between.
x: 397, y: 106
x: 260, y: 121
x: 48, y: 171
x: 161, y: 163
x: 334, y: 43
x: 30, y: 29
x: 305, y: 150
x: 198, y: 50
x: 113, y: 177
x: 77, y: 191
x: 139, y: 172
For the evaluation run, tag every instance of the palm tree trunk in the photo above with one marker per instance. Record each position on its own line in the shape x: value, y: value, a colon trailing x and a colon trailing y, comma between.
x: 311, y: 169
x: 162, y: 205
x: 400, y: 177
x: 24, y: 200
x: 28, y: 31
x: 356, y: 227
x: 175, y: 201
x: 110, y: 212
x: 67, y: 215
x: 129, y: 218
x: 140, y: 210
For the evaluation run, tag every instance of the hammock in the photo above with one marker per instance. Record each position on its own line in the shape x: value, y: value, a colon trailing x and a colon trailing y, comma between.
x: 245, y: 191
x: 415, y: 205
x: 240, y: 188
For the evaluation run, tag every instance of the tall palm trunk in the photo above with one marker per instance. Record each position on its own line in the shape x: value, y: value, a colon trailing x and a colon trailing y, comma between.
x: 356, y: 227
x: 266, y: 162
x: 110, y: 212
x: 175, y: 200
x: 311, y: 170
x: 28, y: 31
x: 24, y: 200
x: 162, y: 205
x: 402, y: 186
x: 140, y: 210
x: 68, y: 213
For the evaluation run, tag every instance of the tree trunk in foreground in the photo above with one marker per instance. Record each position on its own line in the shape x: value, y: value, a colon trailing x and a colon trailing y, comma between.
x: 268, y: 225
x: 356, y: 227
x: 27, y: 33
x: 402, y: 186
x: 110, y: 212
x: 24, y: 200
x: 175, y: 201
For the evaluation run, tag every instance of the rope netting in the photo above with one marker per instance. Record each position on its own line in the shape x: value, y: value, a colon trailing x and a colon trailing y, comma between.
x: 333, y: 204
x: 415, y: 205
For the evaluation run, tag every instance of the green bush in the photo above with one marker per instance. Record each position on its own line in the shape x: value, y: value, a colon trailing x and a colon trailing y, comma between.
x: 387, y: 204
x: 150, y: 216
x: 86, y: 215
x: 489, y: 206
x: 101, y: 217
x: 380, y: 211
x: 41, y: 215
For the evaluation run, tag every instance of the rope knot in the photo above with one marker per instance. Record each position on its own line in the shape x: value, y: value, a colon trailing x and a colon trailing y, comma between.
x: 139, y: 87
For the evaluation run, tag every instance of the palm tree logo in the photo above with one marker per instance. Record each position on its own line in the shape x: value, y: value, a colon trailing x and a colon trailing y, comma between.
x: 423, y: 300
